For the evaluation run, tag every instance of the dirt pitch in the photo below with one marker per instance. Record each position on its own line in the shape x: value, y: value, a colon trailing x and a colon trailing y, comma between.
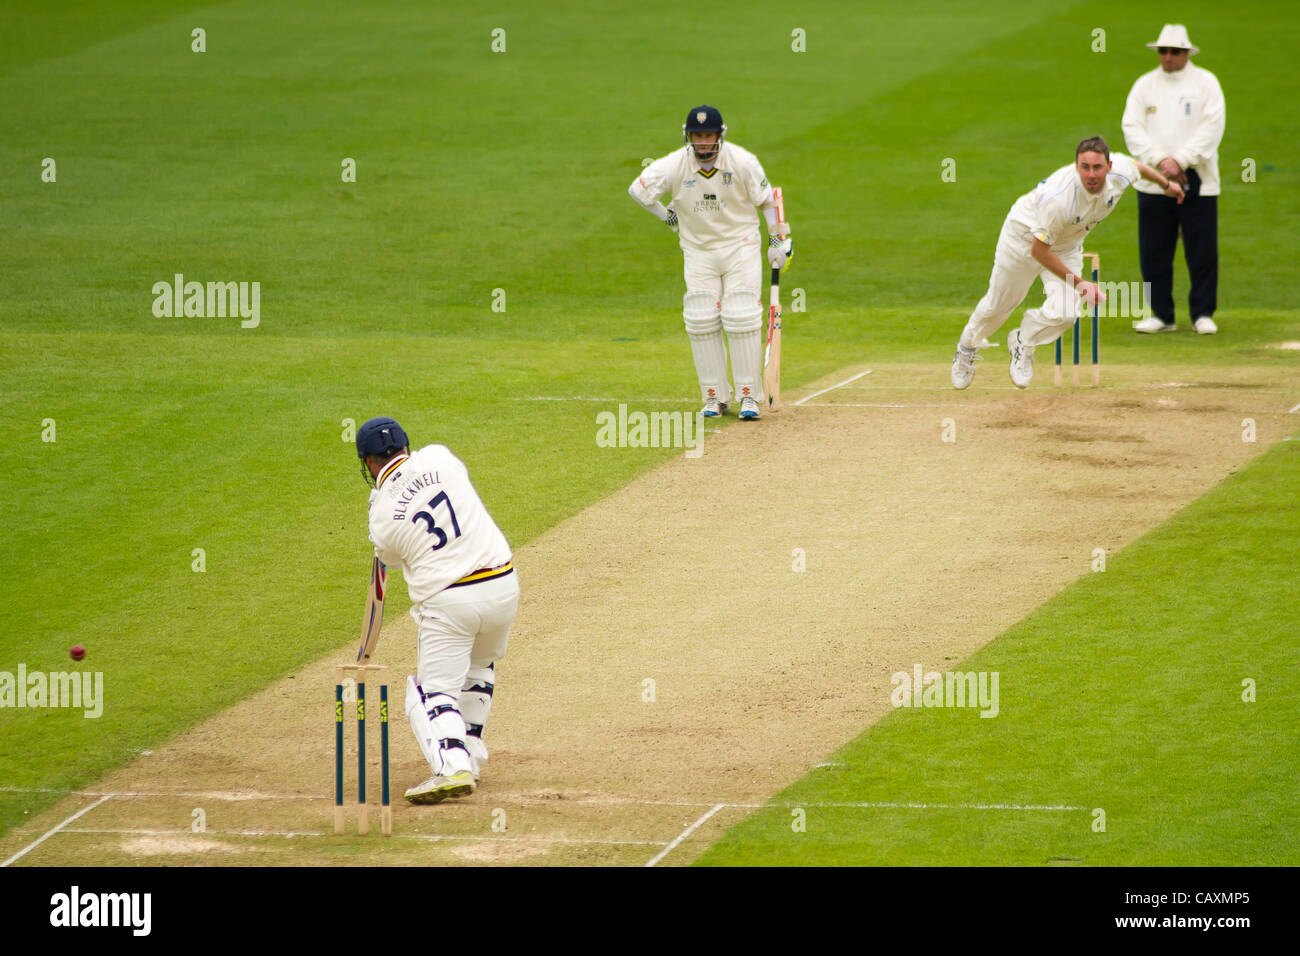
x: 768, y: 589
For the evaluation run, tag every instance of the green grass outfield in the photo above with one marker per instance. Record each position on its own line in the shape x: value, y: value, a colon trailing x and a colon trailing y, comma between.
x: 480, y: 171
x: 1124, y: 694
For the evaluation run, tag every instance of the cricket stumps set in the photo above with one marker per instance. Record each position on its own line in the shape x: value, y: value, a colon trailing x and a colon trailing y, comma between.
x: 386, y: 810
x: 1096, y: 334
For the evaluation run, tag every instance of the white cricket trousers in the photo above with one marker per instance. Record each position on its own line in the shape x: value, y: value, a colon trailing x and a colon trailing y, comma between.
x: 462, y: 628
x: 733, y: 269
x: 723, y: 292
x: 1014, y: 271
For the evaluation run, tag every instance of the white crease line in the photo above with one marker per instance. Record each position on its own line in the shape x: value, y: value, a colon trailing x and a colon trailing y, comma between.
x: 685, y: 833
x: 525, y: 799
x: 608, y: 401
x: 428, y: 837
x: 49, y: 833
x: 541, y: 801
x: 1292, y: 411
x: 807, y: 398
x: 911, y: 806
x: 888, y: 405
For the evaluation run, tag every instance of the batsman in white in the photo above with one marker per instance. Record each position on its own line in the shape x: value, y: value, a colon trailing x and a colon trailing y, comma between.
x: 1042, y: 236
x: 426, y: 517
x: 715, y: 187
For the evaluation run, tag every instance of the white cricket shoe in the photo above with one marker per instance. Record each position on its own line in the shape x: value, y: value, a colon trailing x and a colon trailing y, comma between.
x: 1151, y: 325
x: 438, y: 789
x: 748, y: 408
x: 1022, y: 360
x: 713, y: 408
x: 1205, y: 325
x: 963, y: 366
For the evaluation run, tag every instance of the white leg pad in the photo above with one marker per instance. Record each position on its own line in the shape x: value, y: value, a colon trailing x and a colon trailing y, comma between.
x: 742, y: 317
x: 475, y: 706
x: 439, y: 728
x: 704, y: 329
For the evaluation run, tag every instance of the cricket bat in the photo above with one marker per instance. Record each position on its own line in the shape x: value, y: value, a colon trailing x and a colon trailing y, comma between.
x: 373, y: 618
x: 772, y: 352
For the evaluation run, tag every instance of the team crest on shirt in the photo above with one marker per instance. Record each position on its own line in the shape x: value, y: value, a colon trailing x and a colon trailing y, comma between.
x: 726, y: 179
x: 1151, y: 110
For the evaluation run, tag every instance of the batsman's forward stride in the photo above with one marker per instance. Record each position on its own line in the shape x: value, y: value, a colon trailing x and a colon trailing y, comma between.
x: 715, y: 186
x: 426, y: 517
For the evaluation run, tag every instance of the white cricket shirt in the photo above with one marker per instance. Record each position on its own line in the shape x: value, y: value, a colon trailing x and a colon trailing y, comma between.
x: 1061, y: 212
x: 714, y: 209
x: 426, y: 516
x: 1180, y: 115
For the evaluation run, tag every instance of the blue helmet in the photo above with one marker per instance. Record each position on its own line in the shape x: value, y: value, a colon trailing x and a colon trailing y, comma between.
x: 704, y: 119
x: 380, y: 437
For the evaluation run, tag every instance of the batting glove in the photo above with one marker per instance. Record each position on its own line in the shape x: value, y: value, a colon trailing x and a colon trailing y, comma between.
x: 779, y: 251
x: 671, y: 221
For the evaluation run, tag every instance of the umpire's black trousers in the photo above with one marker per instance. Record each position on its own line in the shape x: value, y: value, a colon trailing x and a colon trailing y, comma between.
x: 1159, y: 219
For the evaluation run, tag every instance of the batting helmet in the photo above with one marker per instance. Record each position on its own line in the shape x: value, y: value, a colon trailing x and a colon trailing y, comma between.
x: 704, y: 119
x: 380, y: 437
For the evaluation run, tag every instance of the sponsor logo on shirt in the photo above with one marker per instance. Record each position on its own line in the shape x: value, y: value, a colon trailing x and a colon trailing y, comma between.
x: 688, y: 184
x: 1151, y: 110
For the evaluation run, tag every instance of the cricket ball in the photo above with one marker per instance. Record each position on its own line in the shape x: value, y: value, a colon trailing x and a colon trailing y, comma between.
x: 77, y: 652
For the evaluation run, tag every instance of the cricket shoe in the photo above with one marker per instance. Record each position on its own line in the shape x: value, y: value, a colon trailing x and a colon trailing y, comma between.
x: 713, y: 408
x: 748, y: 408
x: 1022, y: 360
x: 438, y: 789
x: 1205, y: 325
x: 1151, y: 325
x: 963, y: 366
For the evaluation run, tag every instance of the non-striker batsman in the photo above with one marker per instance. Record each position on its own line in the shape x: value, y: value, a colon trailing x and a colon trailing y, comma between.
x: 715, y: 187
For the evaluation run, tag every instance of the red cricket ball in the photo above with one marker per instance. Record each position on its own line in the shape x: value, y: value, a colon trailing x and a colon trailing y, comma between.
x: 77, y: 652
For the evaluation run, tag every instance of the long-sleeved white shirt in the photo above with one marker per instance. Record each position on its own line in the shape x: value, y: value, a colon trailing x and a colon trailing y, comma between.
x: 1060, y: 212
x: 426, y: 516
x: 715, y: 208
x: 1179, y: 115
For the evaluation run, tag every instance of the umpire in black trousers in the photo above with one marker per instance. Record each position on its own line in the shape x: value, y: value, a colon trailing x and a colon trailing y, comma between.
x: 1160, y: 219
x: 1174, y: 120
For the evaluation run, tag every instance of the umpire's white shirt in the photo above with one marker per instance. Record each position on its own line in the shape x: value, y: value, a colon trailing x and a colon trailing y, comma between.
x: 1061, y: 212
x: 1179, y: 115
x: 713, y: 210
x: 426, y: 516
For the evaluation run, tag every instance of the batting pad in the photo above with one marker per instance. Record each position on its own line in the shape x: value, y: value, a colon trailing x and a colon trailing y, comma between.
x: 747, y: 363
x: 742, y: 317
x: 742, y: 311
x: 704, y: 328
x: 439, y: 728
x: 475, y: 706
